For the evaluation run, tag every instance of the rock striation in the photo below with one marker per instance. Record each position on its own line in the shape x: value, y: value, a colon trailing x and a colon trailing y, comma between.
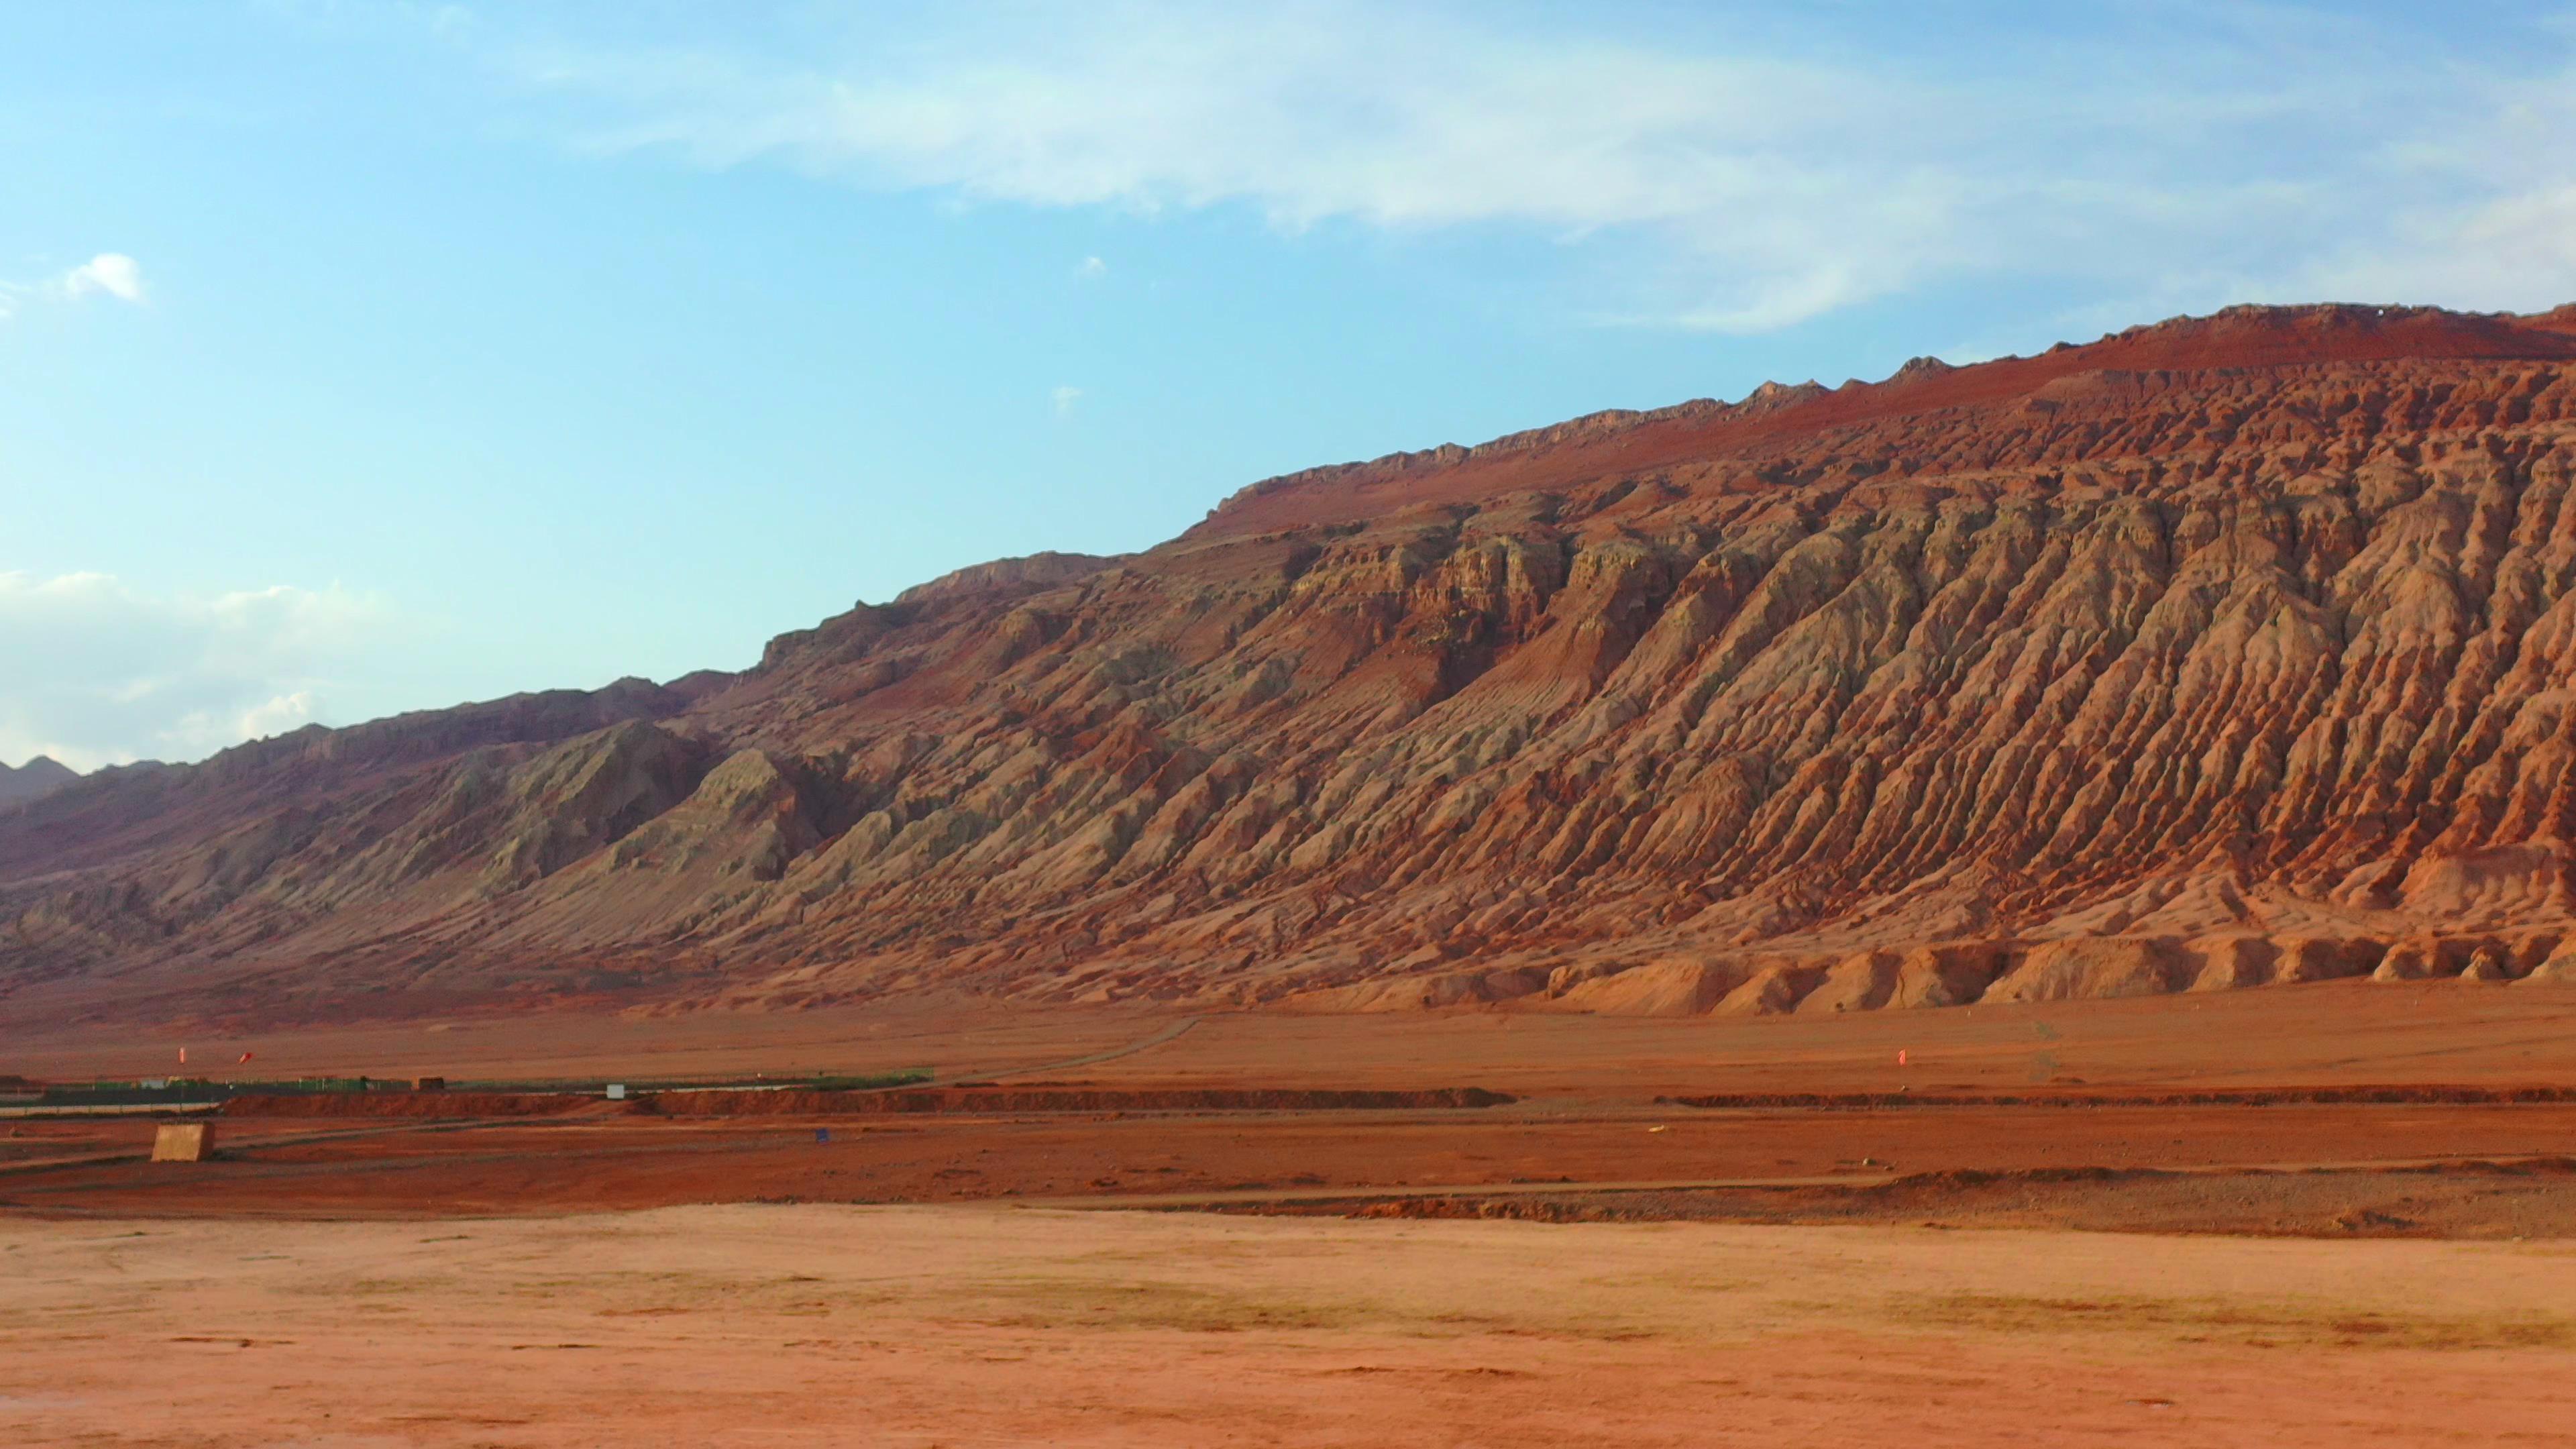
x: 2225, y: 652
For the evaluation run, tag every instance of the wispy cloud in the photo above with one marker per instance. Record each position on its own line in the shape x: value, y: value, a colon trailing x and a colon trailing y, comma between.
x: 2482, y: 208
x: 109, y: 274
x: 107, y: 672
x: 1063, y: 399
x: 1734, y: 177
x: 1091, y: 269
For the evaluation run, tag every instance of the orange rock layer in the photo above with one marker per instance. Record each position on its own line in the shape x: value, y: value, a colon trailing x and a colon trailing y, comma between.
x: 2219, y: 653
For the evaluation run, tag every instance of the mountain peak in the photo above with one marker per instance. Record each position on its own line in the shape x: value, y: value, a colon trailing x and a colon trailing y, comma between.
x: 42, y: 775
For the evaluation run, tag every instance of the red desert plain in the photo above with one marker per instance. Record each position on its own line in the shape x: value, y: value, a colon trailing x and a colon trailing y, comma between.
x: 2029, y: 902
x: 2169, y: 1220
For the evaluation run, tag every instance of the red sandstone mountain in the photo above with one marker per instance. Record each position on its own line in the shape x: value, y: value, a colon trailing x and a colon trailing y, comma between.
x: 2220, y: 652
x: 42, y: 775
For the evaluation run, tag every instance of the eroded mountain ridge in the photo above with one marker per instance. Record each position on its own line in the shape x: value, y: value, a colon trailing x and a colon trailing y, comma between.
x: 2223, y: 652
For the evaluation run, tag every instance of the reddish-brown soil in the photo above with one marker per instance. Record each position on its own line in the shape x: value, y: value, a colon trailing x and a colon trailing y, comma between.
x: 2422, y: 1095
x: 955, y: 1040
x: 508, y: 1166
x: 793, y: 1102
x: 1247, y: 1106
x: 797, y: 1326
x: 412, y: 1104
x: 1057, y: 1099
x: 1582, y: 1265
x: 2331, y: 1034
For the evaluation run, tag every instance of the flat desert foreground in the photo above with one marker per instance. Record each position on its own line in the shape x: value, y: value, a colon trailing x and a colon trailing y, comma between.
x: 988, y: 1325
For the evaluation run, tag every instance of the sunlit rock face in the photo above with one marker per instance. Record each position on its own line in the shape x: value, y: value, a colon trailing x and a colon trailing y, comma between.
x: 2217, y: 654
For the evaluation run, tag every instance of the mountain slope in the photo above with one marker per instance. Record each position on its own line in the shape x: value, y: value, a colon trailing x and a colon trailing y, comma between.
x: 42, y: 775
x: 2219, y: 652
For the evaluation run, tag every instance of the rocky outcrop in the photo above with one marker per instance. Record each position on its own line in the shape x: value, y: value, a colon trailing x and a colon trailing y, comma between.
x: 2219, y: 654
x: 1008, y: 576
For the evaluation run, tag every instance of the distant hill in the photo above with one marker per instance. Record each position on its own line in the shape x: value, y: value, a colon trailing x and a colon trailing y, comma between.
x: 42, y: 775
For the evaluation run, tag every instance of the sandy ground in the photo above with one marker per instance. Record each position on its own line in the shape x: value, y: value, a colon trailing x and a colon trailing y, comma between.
x: 987, y: 1326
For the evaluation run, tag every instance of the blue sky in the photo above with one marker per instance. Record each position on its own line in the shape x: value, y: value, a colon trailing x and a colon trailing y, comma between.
x: 358, y: 357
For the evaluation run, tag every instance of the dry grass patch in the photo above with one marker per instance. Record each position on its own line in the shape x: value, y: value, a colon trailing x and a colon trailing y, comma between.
x: 1148, y: 1304
x: 2220, y: 1320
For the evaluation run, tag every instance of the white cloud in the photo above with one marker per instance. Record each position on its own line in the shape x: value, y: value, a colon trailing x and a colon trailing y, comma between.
x: 1063, y: 399
x: 1738, y: 175
x: 1405, y: 122
x: 113, y: 273
x: 104, y: 672
x: 1091, y: 269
